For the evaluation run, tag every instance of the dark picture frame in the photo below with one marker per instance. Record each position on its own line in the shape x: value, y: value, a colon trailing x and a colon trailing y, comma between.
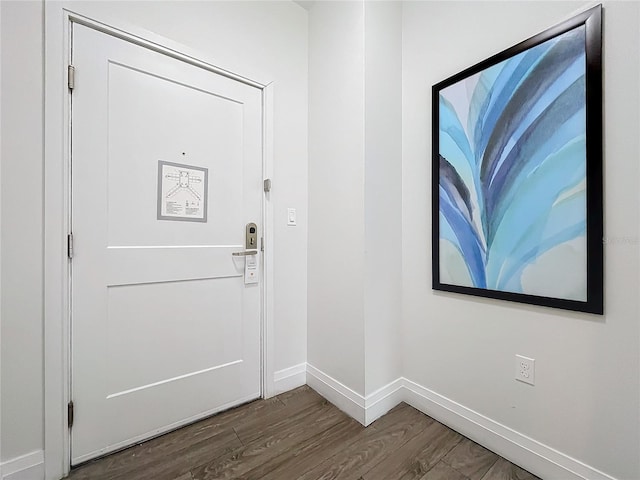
x: 517, y: 176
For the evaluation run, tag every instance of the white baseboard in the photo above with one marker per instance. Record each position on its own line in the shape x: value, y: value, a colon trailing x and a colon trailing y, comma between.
x: 365, y: 410
x: 25, y: 467
x: 526, y: 452
x: 536, y: 457
x: 290, y: 378
x: 539, y: 459
x: 382, y: 400
x: 347, y: 400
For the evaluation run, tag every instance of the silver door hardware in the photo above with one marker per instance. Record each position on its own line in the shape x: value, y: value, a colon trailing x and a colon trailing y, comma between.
x: 70, y: 414
x: 251, y: 241
x: 251, y: 236
x: 267, y: 185
x: 71, y: 76
x: 245, y: 253
x: 70, y: 245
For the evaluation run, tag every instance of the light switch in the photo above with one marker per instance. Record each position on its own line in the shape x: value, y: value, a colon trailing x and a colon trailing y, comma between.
x: 291, y: 216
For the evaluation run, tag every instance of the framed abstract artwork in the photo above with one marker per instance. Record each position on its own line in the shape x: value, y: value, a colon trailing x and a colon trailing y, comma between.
x: 517, y: 172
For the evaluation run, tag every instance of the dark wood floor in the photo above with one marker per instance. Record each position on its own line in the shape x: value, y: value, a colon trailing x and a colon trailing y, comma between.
x: 299, y: 435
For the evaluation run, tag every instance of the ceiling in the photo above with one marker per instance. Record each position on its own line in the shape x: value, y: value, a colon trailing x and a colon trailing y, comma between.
x: 306, y: 4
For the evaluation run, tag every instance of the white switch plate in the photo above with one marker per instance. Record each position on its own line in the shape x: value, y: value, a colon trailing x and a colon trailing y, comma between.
x: 526, y: 369
x: 291, y: 216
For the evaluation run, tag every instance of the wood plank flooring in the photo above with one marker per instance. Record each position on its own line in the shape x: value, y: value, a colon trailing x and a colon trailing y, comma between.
x: 300, y: 436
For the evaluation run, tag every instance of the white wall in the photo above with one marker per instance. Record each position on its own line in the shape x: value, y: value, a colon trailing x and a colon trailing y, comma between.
x: 355, y: 155
x: 1, y: 95
x: 586, y: 402
x: 269, y: 38
x: 382, y: 193
x: 21, y: 236
x: 336, y: 192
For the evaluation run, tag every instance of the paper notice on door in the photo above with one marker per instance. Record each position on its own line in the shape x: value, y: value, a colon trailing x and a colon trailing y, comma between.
x: 251, y: 269
x: 182, y: 192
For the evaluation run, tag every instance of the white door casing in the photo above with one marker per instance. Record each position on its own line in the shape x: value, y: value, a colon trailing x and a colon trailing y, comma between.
x: 164, y: 330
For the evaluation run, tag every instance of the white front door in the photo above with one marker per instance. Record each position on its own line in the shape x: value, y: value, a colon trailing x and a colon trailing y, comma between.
x: 166, y: 173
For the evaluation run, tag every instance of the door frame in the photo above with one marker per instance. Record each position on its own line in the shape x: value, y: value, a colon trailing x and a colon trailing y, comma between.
x: 57, y: 218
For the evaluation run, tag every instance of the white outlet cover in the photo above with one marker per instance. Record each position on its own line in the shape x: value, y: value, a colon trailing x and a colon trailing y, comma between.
x: 525, y: 369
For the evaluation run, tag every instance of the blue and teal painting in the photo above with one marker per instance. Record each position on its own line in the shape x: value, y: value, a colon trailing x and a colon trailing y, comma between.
x: 512, y: 183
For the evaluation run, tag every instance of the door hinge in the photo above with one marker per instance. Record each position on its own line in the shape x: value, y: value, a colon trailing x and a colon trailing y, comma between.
x: 267, y: 185
x: 70, y: 245
x: 71, y: 77
x: 262, y: 244
x: 70, y: 414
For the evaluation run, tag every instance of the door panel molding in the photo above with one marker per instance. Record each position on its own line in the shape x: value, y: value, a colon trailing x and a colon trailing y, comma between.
x: 58, y: 36
x: 182, y: 423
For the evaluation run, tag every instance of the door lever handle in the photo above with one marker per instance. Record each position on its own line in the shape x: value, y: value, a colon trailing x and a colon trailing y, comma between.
x: 245, y: 253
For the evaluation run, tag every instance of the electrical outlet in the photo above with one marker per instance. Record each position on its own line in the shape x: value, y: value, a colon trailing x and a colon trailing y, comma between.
x: 526, y: 369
